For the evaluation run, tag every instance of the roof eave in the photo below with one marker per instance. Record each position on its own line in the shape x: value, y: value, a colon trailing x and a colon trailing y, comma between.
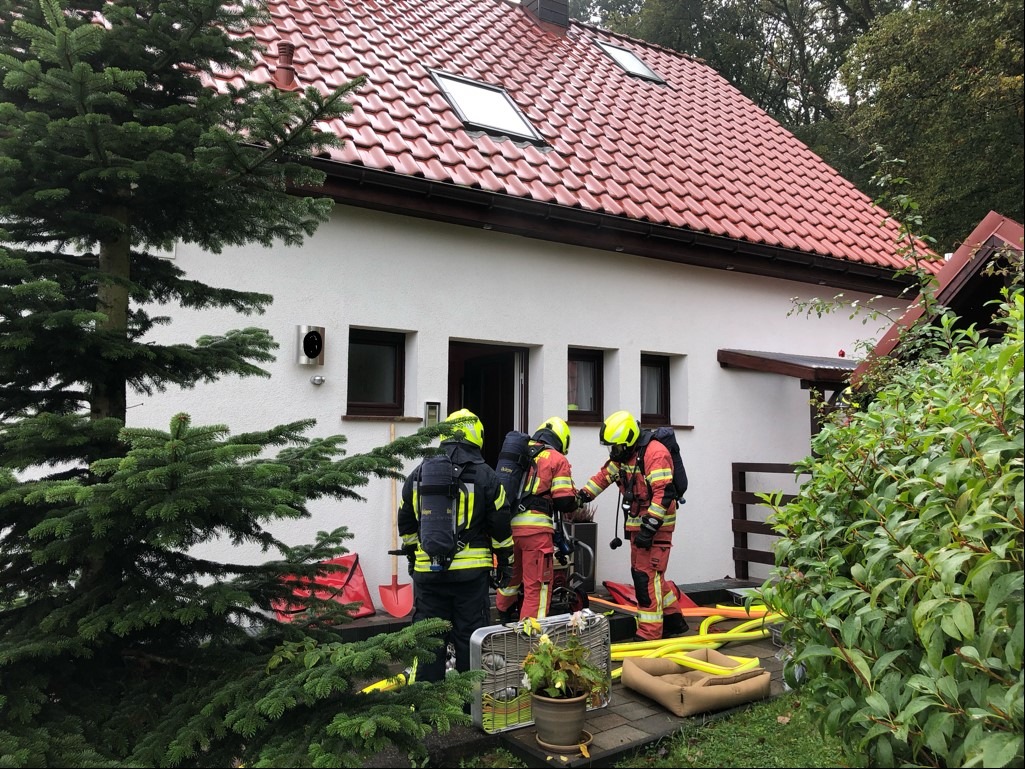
x: 828, y: 373
x: 416, y: 196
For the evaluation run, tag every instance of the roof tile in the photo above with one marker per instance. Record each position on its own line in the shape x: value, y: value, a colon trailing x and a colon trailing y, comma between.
x: 565, y: 196
x: 692, y: 153
x: 462, y: 176
x: 542, y: 192
x: 404, y: 164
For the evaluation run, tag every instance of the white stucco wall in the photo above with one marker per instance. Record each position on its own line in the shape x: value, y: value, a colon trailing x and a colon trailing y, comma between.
x: 442, y: 282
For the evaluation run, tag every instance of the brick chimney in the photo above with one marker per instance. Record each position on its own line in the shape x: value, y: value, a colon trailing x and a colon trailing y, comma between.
x: 553, y: 15
x: 284, y: 73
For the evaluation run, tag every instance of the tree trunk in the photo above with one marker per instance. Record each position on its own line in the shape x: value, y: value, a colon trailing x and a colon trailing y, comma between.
x: 108, y: 392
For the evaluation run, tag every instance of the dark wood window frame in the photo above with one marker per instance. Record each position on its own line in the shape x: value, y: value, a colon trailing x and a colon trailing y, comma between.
x: 396, y: 341
x: 597, y: 357
x: 660, y: 362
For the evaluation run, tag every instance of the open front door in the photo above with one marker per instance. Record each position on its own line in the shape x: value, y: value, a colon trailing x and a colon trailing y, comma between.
x: 490, y: 380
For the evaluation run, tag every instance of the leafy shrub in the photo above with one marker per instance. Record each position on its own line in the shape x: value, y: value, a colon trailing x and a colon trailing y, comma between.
x: 899, y: 568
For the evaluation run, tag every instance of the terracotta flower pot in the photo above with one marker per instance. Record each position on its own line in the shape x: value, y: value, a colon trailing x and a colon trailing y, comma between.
x: 559, y: 721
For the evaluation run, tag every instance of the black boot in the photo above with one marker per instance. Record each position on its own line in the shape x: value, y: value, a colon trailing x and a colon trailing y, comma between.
x: 674, y: 625
x: 509, y: 615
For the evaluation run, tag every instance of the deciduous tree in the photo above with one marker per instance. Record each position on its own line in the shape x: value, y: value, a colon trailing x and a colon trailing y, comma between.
x: 940, y: 85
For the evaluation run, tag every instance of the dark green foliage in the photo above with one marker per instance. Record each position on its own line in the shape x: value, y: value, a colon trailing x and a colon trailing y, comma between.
x: 121, y: 644
x: 900, y: 568
x: 111, y: 142
x: 113, y: 623
x: 112, y: 123
x: 940, y: 85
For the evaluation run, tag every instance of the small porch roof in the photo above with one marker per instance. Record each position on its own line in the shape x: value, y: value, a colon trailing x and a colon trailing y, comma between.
x: 812, y: 370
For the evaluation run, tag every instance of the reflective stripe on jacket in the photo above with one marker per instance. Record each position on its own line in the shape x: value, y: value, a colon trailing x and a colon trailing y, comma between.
x: 658, y: 475
x: 550, y: 478
x: 482, y: 513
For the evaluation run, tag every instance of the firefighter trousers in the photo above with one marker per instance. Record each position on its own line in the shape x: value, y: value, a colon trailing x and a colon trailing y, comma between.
x: 466, y: 604
x: 532, y: 571
x: 654, y: 599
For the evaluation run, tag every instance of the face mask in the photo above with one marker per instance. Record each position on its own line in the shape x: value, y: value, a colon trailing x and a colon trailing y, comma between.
x: 618, y: 453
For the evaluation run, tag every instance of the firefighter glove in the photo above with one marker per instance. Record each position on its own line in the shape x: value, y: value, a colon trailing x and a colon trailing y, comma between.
x: 410, y: 552
x: 583, y: 497
x: 645, y: 536
x: 504, y: 566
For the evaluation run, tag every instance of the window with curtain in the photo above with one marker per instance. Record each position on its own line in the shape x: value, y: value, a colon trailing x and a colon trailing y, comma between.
x: 655, y: 389
x: 584, y: 394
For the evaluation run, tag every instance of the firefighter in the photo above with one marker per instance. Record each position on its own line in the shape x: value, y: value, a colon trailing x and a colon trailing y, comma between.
x: 548, y: 491
x: 456, y: 588
x: 648, y: 501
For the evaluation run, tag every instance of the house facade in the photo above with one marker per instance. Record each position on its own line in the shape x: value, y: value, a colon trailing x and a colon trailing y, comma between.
x: 537, y: 217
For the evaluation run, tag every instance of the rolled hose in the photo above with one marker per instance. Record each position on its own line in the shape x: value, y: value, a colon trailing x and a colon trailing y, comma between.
x: 674, y: 648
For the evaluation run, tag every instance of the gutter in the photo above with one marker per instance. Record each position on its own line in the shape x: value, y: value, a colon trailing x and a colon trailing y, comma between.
x: 473, y: 207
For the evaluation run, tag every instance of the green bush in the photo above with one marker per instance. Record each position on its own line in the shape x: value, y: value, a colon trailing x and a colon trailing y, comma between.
x: 899, y: 568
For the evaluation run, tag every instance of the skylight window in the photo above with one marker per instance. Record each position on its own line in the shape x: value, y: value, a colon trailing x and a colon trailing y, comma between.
x: 629, y: 61
x: 486, y: 107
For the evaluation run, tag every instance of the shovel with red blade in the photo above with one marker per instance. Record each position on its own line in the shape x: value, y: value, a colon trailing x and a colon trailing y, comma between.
x: 396, y: 599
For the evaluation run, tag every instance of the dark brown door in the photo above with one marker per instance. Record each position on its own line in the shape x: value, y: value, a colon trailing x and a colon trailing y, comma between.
x: 484, y: 379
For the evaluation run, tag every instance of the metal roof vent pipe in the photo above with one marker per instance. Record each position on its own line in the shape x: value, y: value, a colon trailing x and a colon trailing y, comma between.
x: 552, y: 15
x: 284, y: 73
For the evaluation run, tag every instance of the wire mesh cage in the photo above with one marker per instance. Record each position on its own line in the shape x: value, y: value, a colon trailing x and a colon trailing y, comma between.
x: 502, y: 702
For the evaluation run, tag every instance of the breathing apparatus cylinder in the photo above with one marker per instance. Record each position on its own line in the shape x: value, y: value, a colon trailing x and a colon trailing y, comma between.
x: 438, y: 496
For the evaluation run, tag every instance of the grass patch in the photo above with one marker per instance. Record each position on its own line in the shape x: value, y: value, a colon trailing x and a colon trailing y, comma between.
x: 768, y: 734
x: 772, y: 733
x: 499, y: 757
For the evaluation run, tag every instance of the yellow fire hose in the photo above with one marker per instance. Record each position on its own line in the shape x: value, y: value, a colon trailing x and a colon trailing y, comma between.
x: 407, y: 676
x: 672, y: 648
x: 730, y: 612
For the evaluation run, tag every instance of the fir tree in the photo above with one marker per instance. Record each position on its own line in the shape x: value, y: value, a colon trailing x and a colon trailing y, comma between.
x: 118, y: 644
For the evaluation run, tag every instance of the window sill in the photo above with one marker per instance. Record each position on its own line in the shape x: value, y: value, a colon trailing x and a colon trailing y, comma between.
x: 378, y: 418
x: 589, y: 423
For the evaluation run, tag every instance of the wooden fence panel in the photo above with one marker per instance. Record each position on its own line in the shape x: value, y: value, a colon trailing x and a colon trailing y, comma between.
x: 743, y: 497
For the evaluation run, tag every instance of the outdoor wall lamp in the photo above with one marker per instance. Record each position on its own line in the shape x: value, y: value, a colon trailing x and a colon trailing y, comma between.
x: 310, y: 345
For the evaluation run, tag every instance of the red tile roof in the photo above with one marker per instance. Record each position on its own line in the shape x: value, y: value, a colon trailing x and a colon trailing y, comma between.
x: 961, y: 284
x: 692, y: 153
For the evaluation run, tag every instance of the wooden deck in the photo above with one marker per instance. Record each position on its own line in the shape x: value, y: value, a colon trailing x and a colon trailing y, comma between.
x: 630, y: 722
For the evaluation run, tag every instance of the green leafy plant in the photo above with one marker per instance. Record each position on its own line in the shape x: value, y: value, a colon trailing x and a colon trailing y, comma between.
x: 900, y: 565
x: 561, y: 668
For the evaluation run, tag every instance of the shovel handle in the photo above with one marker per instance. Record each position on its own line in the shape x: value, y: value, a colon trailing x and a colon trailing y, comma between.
x: 394, y: 513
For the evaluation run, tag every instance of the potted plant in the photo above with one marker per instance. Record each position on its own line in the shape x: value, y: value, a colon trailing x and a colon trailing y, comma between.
x: 563, y: 680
